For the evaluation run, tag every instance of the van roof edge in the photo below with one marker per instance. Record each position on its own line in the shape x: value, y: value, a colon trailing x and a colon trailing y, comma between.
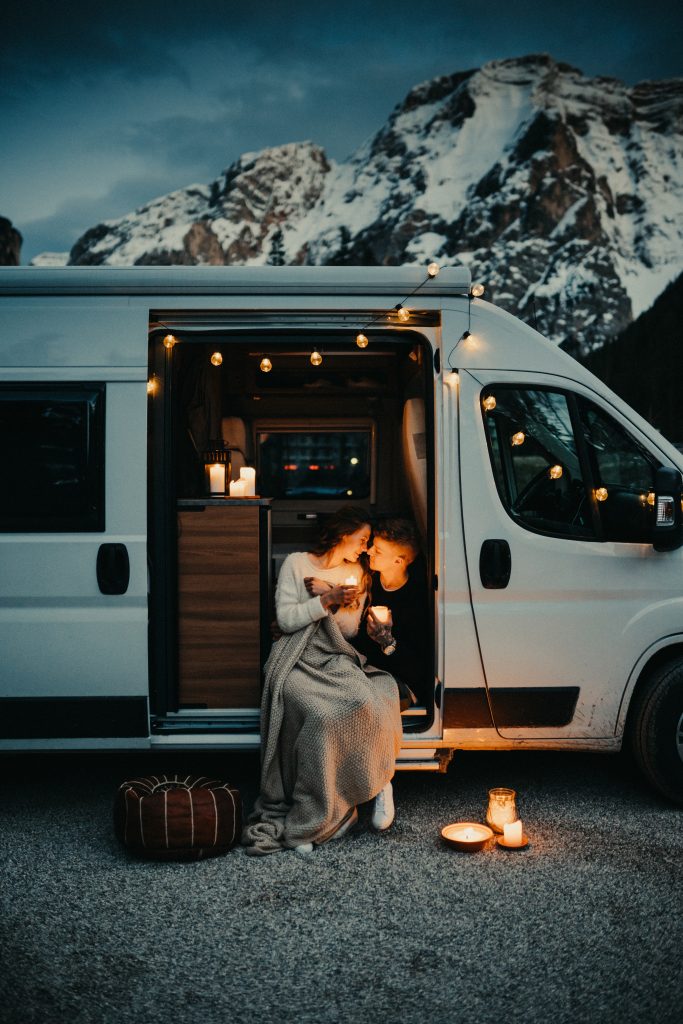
x: 396, y: 281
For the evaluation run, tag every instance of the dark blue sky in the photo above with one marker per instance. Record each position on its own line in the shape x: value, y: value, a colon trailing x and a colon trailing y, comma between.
x: 104, y: 106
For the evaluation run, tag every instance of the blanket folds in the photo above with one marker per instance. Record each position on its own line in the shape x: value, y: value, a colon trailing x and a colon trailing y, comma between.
x: 330, y: 733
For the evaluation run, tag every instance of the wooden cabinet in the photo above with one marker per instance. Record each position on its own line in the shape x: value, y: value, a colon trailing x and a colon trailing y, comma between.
x: 223, y: 601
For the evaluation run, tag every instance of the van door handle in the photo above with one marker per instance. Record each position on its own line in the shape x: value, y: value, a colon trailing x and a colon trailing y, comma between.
x: 113, y: 568
x: 495, y: 564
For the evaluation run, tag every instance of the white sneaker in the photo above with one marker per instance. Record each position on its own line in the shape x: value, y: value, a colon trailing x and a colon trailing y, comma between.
x: 383, y: 812
x: 303, y: 848
x: 346, y: 825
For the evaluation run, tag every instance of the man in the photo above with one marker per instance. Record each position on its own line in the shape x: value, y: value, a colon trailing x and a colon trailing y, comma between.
x: 401, y: 646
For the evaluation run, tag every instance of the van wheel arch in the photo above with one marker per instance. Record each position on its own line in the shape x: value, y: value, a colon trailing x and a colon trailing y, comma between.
x: 655, y: 723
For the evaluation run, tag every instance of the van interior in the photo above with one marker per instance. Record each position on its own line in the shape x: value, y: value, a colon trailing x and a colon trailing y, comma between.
x: 325, y: 424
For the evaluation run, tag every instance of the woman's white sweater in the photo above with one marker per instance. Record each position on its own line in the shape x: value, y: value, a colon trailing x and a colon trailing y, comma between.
x: 295, y: 608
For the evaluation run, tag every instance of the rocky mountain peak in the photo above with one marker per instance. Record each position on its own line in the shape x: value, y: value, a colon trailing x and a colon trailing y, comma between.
x: 562, y: 192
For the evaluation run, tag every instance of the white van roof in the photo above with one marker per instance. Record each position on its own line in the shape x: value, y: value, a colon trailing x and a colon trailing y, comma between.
x: 394, y: 281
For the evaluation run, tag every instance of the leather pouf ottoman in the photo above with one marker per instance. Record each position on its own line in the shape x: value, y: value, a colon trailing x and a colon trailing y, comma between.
x: 178, y: 817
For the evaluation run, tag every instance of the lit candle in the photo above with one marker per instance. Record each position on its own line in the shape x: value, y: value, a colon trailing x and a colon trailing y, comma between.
x: 350, y: 581
x: 466, y: 835
x: 237, y: 488
x: 217, y: 478
x: 248, y: 474
x: 512, y: 833
x: 381, y: 613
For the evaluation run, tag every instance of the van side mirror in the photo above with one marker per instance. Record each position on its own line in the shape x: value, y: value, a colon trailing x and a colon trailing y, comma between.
x: 668, y: 527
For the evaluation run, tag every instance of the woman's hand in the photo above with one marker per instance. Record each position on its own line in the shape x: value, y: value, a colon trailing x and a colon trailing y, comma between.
x: 341, y: 595
x: 378, y: 631
x: 316, y: 587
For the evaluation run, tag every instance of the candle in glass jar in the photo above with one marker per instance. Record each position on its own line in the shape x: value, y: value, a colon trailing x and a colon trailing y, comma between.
x: 217, y: 478
x: 381, y: 613
x: 237, y: 488
x: 248, y: 474
x: 512, y: 833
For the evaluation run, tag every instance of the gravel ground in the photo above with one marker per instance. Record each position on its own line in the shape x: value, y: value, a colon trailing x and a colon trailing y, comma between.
x: 583, y: 925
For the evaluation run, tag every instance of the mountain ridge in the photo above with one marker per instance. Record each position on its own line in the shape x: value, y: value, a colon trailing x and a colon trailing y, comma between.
x: 563, y: 193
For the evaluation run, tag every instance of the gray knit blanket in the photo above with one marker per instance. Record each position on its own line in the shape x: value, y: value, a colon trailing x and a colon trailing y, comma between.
x: 330, y: 733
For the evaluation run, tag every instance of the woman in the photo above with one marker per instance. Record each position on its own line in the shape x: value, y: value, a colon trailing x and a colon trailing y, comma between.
x: 330, y: 731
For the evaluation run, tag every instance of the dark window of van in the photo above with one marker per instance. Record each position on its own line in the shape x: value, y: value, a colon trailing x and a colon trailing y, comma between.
x: 52, y: 458
x: 624, y: 474
x: 535, y: 460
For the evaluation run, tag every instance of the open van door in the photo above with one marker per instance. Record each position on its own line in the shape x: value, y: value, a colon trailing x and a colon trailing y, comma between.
x: 73, y: 525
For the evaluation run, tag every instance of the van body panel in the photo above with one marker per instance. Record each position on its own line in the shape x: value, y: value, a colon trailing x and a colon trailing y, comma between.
x: 576, y: 613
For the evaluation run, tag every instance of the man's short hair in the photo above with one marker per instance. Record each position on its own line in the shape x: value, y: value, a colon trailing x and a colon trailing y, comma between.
x: 401, y: 532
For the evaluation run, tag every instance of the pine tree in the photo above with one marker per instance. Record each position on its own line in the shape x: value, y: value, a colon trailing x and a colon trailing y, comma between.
x: 276, y: 256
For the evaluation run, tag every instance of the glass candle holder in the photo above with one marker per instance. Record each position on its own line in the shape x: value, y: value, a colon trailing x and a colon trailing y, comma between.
x: 502, y: 809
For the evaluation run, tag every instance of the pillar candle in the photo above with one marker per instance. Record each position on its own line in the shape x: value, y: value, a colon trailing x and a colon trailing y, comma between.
x: 512, y: 833
x: 217, y: 478
x: 248, y: 474
x: 237, y: 488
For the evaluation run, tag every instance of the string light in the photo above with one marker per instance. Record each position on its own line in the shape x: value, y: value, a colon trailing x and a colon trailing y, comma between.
x: 152, y: 386
x: 265, y: 365
x: 361, y: 340
x: 316, y: 358
x: 170, y: 340
x: 216, y: 358
x: 518, y: 438
x: 601, y: 494
x: 555, y: 472
x: 477, y: 290
x: 489, y: 403
x: 402, y: 313
x: 433, y: 269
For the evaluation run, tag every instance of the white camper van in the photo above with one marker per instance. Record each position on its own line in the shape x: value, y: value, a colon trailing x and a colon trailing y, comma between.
x: 136, y: 601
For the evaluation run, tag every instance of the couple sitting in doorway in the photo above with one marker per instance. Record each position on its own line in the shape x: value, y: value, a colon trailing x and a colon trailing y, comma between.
x: 336, y: 680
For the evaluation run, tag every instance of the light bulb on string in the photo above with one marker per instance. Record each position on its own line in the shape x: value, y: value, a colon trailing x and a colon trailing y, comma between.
x: 170, y: 340
x: 518, y: 438
x: 433, y: 269
x: 216, y: 359
x: 555, y: 472
x: 477, y: 290
x: 265, y: 365
x: 316, y: 358
x: 361, y: 340
x: 601, y: 494
x: 489, y: 403
x: 152, y: 386
x: 402, y: 313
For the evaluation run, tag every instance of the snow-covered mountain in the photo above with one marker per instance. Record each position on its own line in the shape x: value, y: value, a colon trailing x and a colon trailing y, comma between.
x: 563, y: 193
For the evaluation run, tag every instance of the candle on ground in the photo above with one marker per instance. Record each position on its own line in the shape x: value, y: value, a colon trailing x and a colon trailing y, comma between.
x: 512, y: 833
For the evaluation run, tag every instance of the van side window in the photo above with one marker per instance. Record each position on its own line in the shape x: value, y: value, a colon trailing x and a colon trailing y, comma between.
x: 52, y: 458
x: 624, y: 474
x: 535, y: 461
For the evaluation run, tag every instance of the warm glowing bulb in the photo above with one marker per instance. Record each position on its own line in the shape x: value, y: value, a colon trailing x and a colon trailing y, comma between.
x: 651, y: 498
x: 266, y: 365
x: 151, y: 386
x: 601, y: 494
x: 361, y: 341
x: 433, y: 269
x: 489, y: 403
x: 316, y: 358
x: 477, y: 290
x: 555, y: 472
x: 169, y: 341
x: 403, y: 314
x: 217, y: 359
x: 518, y: 438
x: 354, y: 461
x: 349, y: 493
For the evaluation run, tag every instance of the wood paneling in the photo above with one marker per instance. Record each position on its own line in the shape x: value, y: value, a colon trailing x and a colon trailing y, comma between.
x: 219, y: 607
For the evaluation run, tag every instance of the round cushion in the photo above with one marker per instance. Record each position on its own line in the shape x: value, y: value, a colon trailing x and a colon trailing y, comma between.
x: 178, y: 817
